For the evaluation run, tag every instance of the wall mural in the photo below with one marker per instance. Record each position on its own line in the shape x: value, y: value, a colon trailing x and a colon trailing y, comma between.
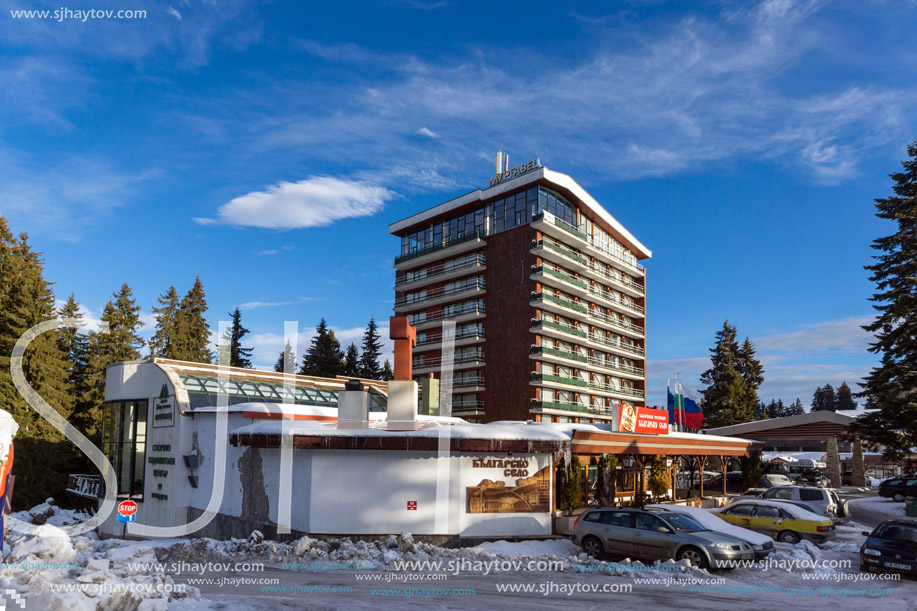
x: 529, y: 495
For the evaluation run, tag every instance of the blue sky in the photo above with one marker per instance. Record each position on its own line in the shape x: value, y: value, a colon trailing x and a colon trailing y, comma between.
x: 267, y: 147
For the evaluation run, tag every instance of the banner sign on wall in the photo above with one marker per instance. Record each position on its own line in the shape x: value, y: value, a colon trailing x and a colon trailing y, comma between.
x: 642, y: 420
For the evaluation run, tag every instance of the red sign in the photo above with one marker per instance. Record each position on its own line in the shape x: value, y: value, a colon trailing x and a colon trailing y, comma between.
x: 643, y: 420
x: 127, y: 508
x: 412, y: 505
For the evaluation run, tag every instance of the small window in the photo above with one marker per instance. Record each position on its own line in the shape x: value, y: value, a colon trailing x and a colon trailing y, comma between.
x: 617, y: 518
x: 911, y: 482
x: 785, y: 494
x: 593, y: 516
x: 766, y: 511
x: 649, y: 522
x: 740, y: 510
x: 806, y: 494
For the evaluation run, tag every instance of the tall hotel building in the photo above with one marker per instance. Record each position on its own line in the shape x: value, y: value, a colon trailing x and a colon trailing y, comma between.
x: 545, y: 290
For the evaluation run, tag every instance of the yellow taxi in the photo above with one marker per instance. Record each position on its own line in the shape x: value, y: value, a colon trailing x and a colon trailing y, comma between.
x: 782, y: 521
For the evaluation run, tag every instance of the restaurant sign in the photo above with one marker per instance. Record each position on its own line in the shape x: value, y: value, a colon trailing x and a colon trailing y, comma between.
x: 632, y: 419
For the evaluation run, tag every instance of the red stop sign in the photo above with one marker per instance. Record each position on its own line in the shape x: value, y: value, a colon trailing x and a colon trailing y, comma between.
x: 127, y: 508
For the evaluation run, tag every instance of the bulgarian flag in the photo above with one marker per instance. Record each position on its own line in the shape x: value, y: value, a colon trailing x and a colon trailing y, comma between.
x: 683, y: 408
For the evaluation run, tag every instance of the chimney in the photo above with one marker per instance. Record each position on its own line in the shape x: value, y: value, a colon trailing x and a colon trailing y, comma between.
x: 402, y: 390
x: 353, y: 406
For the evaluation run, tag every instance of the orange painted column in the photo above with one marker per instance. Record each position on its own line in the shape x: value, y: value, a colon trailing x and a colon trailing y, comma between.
x: 405, y: 337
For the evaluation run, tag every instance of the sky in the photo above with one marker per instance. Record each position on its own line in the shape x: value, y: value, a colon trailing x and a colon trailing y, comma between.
x: 267, y: 146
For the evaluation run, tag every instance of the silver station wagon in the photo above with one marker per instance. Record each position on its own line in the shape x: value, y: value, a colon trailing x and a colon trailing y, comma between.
x: 658, y: 535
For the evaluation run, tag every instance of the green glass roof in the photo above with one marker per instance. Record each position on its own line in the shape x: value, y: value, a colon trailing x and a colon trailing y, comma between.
x: 203, y: 391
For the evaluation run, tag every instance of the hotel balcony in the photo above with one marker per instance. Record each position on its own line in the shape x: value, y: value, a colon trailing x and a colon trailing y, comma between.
x: 558, y: 357
x: 472, y: 287
x: 434, y: 341
x: 557, y: 253
x: 611, y: 390
x: 615, y: 324
x: 468, y: 384
x: 618, y: 347
x: 610, y: 300
x: 559, y: 382
x: 459, y: 315
x: 566, y: 409
x: 580, y: 288
x: 442, y: 273
x: 559, y: 305
x: 610, y: 367
x: 549, y: 224
x: 448, y: 248
x: 467, y: 408
x: 557, y: 330
x: 621, y: 282
x: 459, y: 362
x: 583, y: 362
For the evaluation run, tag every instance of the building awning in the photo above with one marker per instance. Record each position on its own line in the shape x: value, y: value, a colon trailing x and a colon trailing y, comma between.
x: 813, y: 425
x: 673, y: 444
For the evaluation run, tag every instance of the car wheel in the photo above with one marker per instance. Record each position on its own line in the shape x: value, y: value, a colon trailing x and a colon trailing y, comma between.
x: 696, y: 557
x: 899, y: 498
x: 593, y: 547
x: 788, y: 536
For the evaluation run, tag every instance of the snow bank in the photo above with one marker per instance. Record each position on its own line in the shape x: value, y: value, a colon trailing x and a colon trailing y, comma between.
x: 552, y: 547
x: 47, y: 543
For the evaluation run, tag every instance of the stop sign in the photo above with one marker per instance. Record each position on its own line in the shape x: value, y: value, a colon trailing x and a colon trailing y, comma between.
x: 127, y: 511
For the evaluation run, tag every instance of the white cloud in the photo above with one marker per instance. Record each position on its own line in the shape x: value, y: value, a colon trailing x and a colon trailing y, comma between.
x: 314, y: 202
x: 423, y: 131
x: 266, y: 253
x: 251, y: 305
x: 845, y: 335
x: 174, y: 13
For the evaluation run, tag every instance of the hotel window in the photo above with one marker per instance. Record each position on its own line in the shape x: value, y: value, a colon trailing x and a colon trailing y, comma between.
x: 564, y: 397
x: 416, y: 274
x: 124, y: 444
x: 415, y: 296
x: 417, y: 317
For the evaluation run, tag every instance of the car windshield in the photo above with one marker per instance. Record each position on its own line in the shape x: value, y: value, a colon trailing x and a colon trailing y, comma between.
x: 901, y: 532
x: 683, y: 523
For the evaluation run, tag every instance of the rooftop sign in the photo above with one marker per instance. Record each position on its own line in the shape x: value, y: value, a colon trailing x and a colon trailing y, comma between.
x: 519, y: 170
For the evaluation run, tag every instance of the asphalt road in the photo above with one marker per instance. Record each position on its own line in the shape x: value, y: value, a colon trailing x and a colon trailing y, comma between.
x: 858, y: 513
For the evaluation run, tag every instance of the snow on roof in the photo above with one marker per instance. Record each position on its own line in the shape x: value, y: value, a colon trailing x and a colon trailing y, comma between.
x: 429, y: 428
x: 794, y: 456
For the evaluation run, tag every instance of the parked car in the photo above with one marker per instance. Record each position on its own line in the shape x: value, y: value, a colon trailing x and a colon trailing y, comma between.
x: 891, y: 546
x: 775, y: 479
x: 761, y: 544
x: 654, y: 535
x: 781, y: 521
x: 812, y: 477
x: 825, y: 500
x: 735, y: 483
x: 899, y: 487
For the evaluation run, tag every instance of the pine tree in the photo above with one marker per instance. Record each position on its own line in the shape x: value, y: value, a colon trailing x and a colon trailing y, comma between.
x: 752, y: 375
x: 324, y: 357
x: 892, y: 385
x: 845, y: 397
x: 370, y: 352
x: 796, y: 408
x: 162, y: 344
x: 387, y: 372
x: 192, y: 331
x: 238, y: 356
x: 823, y: 399
x: 724, y: 400
x: 351, y: 362
x: 286, y: 361
x: 121, y: 343
x: 75, y: 346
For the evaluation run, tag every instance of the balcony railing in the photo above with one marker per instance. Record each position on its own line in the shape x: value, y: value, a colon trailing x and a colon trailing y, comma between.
x: 619, y: 278
x: 540, y: 216
x: 458, y: 359
x: 477, y: 235
x: 610, y: 364
x: 561, y: 250
x: 437, y: 338
x: 632, y: 348
x: 572, y: 305
x: 544, y: 377
x: 468, y: 406
x: 460, y: 287
x: 610, y: 296
x: 621, y: 390
x: 559, y: 353
x: 454, y: 313
x: 547, y: 324
x: 468, y: 382
x: 614, y: 322
x: 559, y: 275
x: 572, y: 407
x: 612, y: 254
x: 439, y: 270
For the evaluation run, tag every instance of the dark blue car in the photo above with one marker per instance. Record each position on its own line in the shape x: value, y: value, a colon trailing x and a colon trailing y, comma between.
x: 892, y: 546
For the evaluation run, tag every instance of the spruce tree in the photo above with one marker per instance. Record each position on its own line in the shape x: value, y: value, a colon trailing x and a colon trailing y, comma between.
x: 324, y: 358
x: 892, y: 385
x: 796, y: 408
x: 370, y: 352
x: 192, y: 331
x: 845, y: 398
x: 387, y: 372
x: 823, y: 399
x: 724, y: 399
x: 75, y: 346
x: 286, y: 361
x: 752, y: 375
x: 162, y: 344
x: 238, y: 356
x: 121, y: 343
x: 351, y: 362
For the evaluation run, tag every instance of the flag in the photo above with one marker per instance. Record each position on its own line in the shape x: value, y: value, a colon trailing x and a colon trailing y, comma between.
x: 684, y: 401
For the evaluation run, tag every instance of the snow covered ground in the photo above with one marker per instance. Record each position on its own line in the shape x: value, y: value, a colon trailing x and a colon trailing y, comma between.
x: 887, y: 508
x: 53, y: 572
